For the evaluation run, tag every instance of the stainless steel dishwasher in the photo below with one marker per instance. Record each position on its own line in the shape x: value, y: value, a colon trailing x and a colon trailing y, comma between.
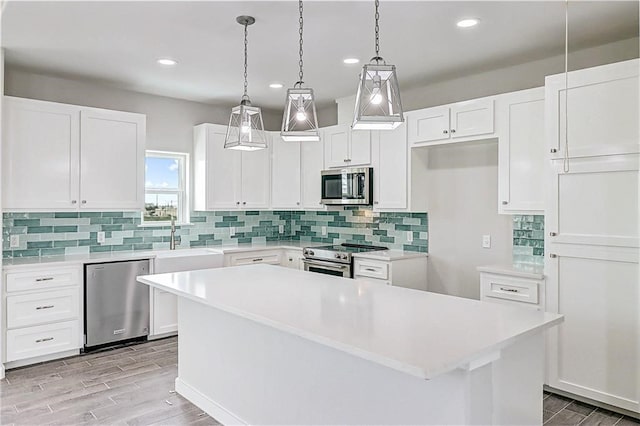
x: 116, y: 306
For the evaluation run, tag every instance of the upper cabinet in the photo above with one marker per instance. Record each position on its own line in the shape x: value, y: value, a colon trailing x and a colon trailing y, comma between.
x: 225, y: 178
x: 344, y: 147
x: 600, y: 115
x: 522, y: 148
x: 458, y: 122
x: 312, y: 164
x: 389, y: 160
x: 285, y: 175
x: 65, y: 157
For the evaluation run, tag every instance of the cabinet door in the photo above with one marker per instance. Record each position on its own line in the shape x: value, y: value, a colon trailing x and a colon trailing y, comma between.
x: 390, y: 169
x: 472, y: 118
x: 426, y: 125
x: 360, y: 148
x: 165, y: 312
x: 522, y: 151
x: 602, y: 111
x: 312, y: 162
x: 40, y: 155
x: 285, y: 172
x: 336, y: 146
x: 223, y: 171
x: 112, y: 160
x: 256, y: 178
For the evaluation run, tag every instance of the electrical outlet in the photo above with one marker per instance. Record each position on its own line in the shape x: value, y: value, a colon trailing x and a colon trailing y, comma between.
x: 14, y: 241
x: 324, y: 231
x: 101, y: 237
x: 486, y: 241
x: 410, y: 236
x: 281, y: 229
x: 232, y: 231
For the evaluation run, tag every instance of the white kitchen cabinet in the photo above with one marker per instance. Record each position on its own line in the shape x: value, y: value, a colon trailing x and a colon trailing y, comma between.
x: 111, y: 160
x: 43, y: 313
x: 63, y: 157
x: 271, y: 257
x: 344, y: 147
x: 164, y: 320
x: 513, y: 290
x: 459, y: 122
x: 312, y: 164
x: 522, y: 152
x: 602, y: 111
x: 227, y: 179
x: 389, y: 160
x: 409, y: 271
x: 293, y: 259
x: 286, y: 173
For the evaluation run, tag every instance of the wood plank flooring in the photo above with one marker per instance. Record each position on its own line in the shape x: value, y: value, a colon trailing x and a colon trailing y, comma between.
x: 134, y: 386
x: 125, y: 386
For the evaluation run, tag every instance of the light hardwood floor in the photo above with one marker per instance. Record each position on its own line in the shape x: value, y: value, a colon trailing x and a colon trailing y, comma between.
x: 126, y: 386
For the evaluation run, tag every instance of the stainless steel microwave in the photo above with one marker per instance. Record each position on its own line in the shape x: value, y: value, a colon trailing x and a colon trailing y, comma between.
x: 347, y: 186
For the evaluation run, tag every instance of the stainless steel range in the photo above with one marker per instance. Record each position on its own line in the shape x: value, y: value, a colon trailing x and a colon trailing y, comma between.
x: 334, y: 260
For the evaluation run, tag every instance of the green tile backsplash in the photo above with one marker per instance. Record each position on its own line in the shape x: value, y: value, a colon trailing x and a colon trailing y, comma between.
x: 58, y: 233
x: 528, y: 239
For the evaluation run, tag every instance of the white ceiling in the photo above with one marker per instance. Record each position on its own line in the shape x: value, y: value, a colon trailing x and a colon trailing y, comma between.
x: 118, y: 42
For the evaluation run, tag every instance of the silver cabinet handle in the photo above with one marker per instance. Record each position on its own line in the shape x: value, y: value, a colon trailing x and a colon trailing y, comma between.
x: 453, y: 130
x: 257, y: 259
x: 46, y: 339
x: 74, y: 201
x: 44, y: 307
x: 84, y: 201
x: 504, y: 203
x: 552, y: 255
x: 553, y: 150
x: 370, y: 269
x: 445, y: 132
x: 552, y: 234
x: 44, y: 279
x: 511, y: 290
x: 346, y: 160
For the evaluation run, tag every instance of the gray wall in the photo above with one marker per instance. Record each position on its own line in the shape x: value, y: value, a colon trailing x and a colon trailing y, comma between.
x: 169, y: 121
x: 462, y: 192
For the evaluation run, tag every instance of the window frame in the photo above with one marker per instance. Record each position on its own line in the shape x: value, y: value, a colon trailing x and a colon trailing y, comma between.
x: 182, y: 192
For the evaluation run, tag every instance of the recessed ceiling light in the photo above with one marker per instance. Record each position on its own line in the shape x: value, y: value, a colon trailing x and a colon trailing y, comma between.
x: 167, y: 61
x: 276, y: 85
x: 351, y: 61
x: 466, y: 23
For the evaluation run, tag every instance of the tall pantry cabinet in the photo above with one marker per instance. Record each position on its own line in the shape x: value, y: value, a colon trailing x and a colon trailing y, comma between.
x: 592, y: 233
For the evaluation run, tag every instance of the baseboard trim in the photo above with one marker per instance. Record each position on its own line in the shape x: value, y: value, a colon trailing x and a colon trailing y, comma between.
x: 209, y: 406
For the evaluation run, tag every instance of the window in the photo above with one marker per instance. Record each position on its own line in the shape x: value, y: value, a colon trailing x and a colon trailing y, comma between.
x: 165, y: 187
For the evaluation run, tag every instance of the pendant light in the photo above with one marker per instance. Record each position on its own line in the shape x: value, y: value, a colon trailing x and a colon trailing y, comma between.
x: 246, y: 130
x: 300, y: 121
x: 378, y: 105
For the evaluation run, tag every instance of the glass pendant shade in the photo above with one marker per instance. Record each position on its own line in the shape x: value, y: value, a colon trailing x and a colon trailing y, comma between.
x: 378, y: 105
x: 246, y: 130
x: 300, y: 121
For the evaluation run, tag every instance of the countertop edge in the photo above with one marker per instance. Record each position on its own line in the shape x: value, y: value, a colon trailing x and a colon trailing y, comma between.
x: 511, y: 270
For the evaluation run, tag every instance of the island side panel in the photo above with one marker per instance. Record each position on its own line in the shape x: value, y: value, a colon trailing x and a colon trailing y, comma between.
x: 240, y: 371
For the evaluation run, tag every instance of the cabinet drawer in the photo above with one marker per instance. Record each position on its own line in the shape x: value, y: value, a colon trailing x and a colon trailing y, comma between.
x: 42, y: 279
x: 371, y: 269
x: 271, y: 257
x: 510, y: 289
x: 38, y: 308
x: 41, y: 340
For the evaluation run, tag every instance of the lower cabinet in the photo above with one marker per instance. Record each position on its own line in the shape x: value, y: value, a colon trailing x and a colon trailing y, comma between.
x: 293, y: 259
x: 165, y: 313
x: 402, y: 272
x: 512, y: 290
x: 43, y: 313
x: 271, y: 257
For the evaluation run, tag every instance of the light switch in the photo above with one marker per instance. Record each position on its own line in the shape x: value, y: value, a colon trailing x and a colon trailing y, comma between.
x: 101, y: 237
x: 14, y: 241
x: 486, y: 241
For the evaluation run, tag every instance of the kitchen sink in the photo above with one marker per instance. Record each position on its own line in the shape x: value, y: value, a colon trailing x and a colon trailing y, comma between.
x: 187, y: 260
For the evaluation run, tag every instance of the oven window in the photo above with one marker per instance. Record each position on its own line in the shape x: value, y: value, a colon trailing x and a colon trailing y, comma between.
x: 325, y: 271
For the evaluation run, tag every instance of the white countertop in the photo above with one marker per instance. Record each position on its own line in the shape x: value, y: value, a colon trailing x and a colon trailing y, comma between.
x: 515, y: 270
x: 21, y: 262
x: 420, y: 333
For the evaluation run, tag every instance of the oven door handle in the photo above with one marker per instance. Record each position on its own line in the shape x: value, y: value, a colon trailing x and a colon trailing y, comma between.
x: 326, y: 265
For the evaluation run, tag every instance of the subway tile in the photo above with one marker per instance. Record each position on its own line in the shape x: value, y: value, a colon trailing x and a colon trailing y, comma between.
x: 67, y: 228
x: 39, y: 229
x: 112, y: 214
x: 26, y: 222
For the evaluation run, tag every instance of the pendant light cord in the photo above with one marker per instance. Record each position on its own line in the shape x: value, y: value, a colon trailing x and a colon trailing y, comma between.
x: 565, y: 162
x: 300, y: 52
x: 246, y: 43
x: 377, y: 30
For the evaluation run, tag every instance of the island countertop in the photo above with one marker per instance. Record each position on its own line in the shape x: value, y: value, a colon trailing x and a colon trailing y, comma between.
x: 419, y: 333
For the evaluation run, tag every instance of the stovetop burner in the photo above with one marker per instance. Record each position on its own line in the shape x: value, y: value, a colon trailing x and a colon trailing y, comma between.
x: 338, y: 253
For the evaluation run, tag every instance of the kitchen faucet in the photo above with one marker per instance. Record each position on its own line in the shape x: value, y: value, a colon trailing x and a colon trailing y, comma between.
x: 172, y: 241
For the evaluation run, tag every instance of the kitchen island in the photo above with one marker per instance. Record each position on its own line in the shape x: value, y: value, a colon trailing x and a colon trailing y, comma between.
x: 267, y: 345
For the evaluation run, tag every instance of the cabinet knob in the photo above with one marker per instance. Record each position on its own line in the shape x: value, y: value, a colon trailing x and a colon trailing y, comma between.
x: 552, y: 234
x: 445, y: 132
x: 298, y: 203
x: 553, y: 256
x: 504, y: 203
x: 453, y: 130
x: 74, y: 201
x: 553, y: 150
x: 237, y: 203
x: 84, y: 201
x: 244, y: 203
x: 376, y: 202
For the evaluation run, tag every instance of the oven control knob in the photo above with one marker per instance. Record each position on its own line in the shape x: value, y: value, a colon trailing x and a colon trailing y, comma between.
x: 311, y: 253
x: 305, y: 251
x: 344, y: 256
x: 337, y: 256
